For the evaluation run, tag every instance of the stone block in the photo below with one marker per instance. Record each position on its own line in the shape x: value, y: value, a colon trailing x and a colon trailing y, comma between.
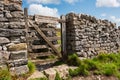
x: 8, y: 15
x: 17, y: 14
x: 13, y: 7
x: 19, y: 70
x: 18, y: 55
x: 17, y: 63
x: 17, y: 47
x: 4, y: 55
x: 11, y: 32
x: 4, y: 40
x: 50, y: 73
x: 17, y: 25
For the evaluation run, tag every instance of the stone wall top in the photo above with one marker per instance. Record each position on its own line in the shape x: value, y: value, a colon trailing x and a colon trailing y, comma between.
x: 88, y: 18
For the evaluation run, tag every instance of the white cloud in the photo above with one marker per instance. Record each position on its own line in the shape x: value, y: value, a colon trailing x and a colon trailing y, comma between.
x: 116, y: 20
x: 71, y: 1
x: 108, y: 3
x: 43, y: 10
x: 103, y: 14
x: 44, y: 1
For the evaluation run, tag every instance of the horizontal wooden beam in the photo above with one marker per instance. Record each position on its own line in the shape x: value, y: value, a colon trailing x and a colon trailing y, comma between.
x: 44, y: 29
x: 39, y: 46
x: 41, y: 54
x: 46, y: 19
x: 50, y: 38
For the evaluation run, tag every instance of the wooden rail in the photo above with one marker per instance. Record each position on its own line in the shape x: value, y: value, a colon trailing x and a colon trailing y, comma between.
x: 46, y: 19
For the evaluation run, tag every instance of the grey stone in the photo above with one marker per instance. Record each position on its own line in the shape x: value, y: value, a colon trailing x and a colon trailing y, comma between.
x: 17, y: 14
x: 8, y: 15
x: 19, y: 70
x: 18, y: 55
x: 4, y: 48
x: 11, y: 32
x: 17, y: 63
x: 4, y: 55
x: 50, y: 73
x: 13, y: 7
x: 17, y: 25
x: 4, y: 40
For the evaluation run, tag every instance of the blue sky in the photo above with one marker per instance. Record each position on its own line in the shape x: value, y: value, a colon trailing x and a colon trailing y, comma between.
x: 103, y: 9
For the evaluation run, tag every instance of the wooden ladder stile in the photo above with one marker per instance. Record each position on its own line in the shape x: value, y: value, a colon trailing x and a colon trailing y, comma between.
x: 47, y: 40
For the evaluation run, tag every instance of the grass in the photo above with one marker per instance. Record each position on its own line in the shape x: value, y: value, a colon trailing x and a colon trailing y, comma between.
x: 103, y: 64
x: 5, y: 75
x: 44, y: 78
x: 73, y: 60
x: 31, y: 67
x: 57, y: 77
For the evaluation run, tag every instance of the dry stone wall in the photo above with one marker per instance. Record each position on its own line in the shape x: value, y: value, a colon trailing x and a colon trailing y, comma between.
x: 88, y: 36
x: 13, y: 52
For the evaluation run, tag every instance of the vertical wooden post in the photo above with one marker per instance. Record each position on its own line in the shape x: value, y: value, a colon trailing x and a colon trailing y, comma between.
x: 63, y: 37
x: 26, y: 26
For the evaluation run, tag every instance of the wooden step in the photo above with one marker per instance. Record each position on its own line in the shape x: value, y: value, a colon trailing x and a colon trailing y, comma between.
x: 41, y: 54
x: 50, y: 38
x: 39, y: 46
x: 42, y: 62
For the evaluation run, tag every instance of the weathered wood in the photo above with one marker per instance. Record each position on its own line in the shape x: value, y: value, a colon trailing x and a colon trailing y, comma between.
x: 41, y: 54
x: 39, y: 46
x: 47, y: 19
x: 47, y: 40
x: 27, y: 28
x: 44, y: 29
x: 47, y: 29
x: 43, y: 62
x: 50, y: 38
x: 63, y: 38
x: 53, y: 38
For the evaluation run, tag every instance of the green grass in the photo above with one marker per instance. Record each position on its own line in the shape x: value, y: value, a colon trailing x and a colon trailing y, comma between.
x: 5, y: 75
x: 58, y: 33
x: 57, y: 77
x: 73, y: 60
x: 44, y: 78
x: 103, y: 64
x: 31, y: 67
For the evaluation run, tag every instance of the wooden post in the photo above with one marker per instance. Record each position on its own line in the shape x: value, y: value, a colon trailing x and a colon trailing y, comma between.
x: 26, y: 26
x: 63, y: 37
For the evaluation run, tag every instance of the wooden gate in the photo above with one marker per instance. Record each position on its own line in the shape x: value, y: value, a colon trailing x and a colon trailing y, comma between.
x: 41, y: 35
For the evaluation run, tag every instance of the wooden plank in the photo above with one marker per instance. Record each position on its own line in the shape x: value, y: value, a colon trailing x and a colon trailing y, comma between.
x: 46, y: 19
x: 53, y: 38
x: 39, y: 46
x: 63, y: 38
x: 50, y: 38
x: 45, y: 29
x: 43, y: 62
x: 47, y: 40
x: 41, y: 54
